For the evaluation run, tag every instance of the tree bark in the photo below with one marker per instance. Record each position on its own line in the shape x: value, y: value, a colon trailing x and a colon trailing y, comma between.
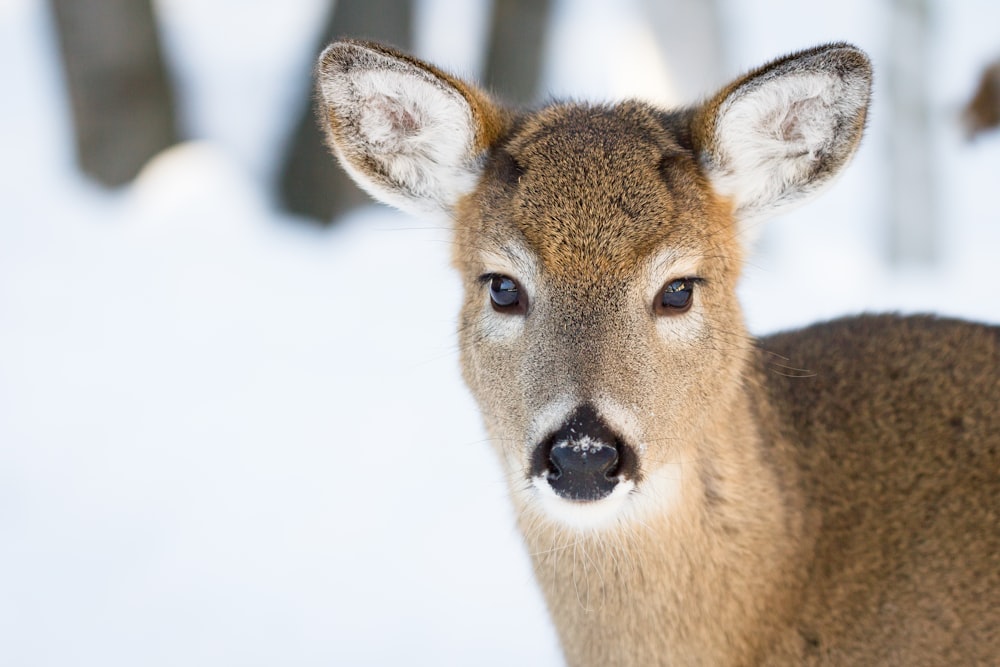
x: 121, y: 97
x: 982, y: 112
x: 913, y: 233
x: 690, y: 36
x: 516, y: 49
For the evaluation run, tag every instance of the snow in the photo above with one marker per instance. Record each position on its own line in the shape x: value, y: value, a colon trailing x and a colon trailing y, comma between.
x: 227, y: 437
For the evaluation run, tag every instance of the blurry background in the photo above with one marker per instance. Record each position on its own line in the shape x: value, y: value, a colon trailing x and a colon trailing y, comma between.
x: 232, y: 433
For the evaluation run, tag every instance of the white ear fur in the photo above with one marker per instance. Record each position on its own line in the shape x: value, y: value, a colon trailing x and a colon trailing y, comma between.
x: 401, y: 130
x: 781, y: 134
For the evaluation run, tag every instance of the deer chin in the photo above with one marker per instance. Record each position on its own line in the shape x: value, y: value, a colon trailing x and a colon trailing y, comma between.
x: 582, y: 514
x: 656, y: 494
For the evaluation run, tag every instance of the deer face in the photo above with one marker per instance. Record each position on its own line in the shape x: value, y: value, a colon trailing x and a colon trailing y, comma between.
x: 599, y: 315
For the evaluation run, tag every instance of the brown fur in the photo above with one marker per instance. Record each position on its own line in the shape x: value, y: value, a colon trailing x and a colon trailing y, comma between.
x: 836, y: 489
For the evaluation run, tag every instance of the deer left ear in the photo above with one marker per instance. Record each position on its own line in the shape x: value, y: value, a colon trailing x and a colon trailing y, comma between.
x: 409, y: 134
x: 775, y: 137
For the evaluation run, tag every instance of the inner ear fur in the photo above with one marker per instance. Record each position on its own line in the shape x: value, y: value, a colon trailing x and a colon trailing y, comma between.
x: 410, y: 134
x: 776, y: 136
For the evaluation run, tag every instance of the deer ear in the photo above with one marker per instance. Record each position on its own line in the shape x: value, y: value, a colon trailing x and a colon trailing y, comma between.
x: 409, y: 134
x: 778, y: 135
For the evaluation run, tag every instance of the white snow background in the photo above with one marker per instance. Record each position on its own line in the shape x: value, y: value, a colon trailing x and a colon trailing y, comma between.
x: 228, y: 437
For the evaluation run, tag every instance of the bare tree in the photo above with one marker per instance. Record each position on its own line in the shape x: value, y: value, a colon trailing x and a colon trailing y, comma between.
x: 516, y: 47
x: 689, y: 34
x: 121, y: 98
x: 982, y: 113
x: 912, y: 231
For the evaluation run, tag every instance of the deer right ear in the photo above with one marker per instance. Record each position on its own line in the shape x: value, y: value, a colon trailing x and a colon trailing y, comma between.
x: 409, y: 134
x: 778, y: 135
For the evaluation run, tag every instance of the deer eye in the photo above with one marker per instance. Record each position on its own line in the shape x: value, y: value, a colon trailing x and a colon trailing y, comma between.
x: 675, y: 297
x: 505, y: 294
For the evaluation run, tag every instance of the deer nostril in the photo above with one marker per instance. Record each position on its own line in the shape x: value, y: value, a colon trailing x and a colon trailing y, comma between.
x: 582, y: 468
x: 584, y: 458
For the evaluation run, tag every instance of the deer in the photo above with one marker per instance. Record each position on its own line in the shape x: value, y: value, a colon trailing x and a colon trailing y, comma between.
x: 690, y: 494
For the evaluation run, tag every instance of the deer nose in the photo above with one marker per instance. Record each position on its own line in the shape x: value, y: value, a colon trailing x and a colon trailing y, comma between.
x: 582, y: 460
x: 582, y: 469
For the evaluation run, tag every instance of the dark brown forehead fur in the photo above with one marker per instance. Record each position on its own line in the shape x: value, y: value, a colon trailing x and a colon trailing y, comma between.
x: 600, y: 188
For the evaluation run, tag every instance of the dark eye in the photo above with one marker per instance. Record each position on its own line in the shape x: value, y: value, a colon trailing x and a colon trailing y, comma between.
x: 675, y: 298
x: 505, y: 294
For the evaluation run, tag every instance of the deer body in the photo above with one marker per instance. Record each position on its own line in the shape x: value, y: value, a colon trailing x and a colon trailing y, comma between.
x: 689, y: 495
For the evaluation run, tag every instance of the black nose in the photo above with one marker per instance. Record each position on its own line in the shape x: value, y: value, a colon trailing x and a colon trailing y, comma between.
x: 583, y: 459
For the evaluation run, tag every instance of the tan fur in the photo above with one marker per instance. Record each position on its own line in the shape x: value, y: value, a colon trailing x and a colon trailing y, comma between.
x: 828, y: 496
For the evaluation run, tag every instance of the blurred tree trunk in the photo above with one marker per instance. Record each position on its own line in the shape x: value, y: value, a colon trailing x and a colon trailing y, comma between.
x: 913, y: 234
x: 311, y: 183
x: 123, y: 108
x: 516, y: 47
x: 690, y: 36
x: 982, y: 112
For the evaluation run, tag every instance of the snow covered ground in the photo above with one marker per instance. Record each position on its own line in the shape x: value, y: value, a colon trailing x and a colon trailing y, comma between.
x: 229, y: 438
